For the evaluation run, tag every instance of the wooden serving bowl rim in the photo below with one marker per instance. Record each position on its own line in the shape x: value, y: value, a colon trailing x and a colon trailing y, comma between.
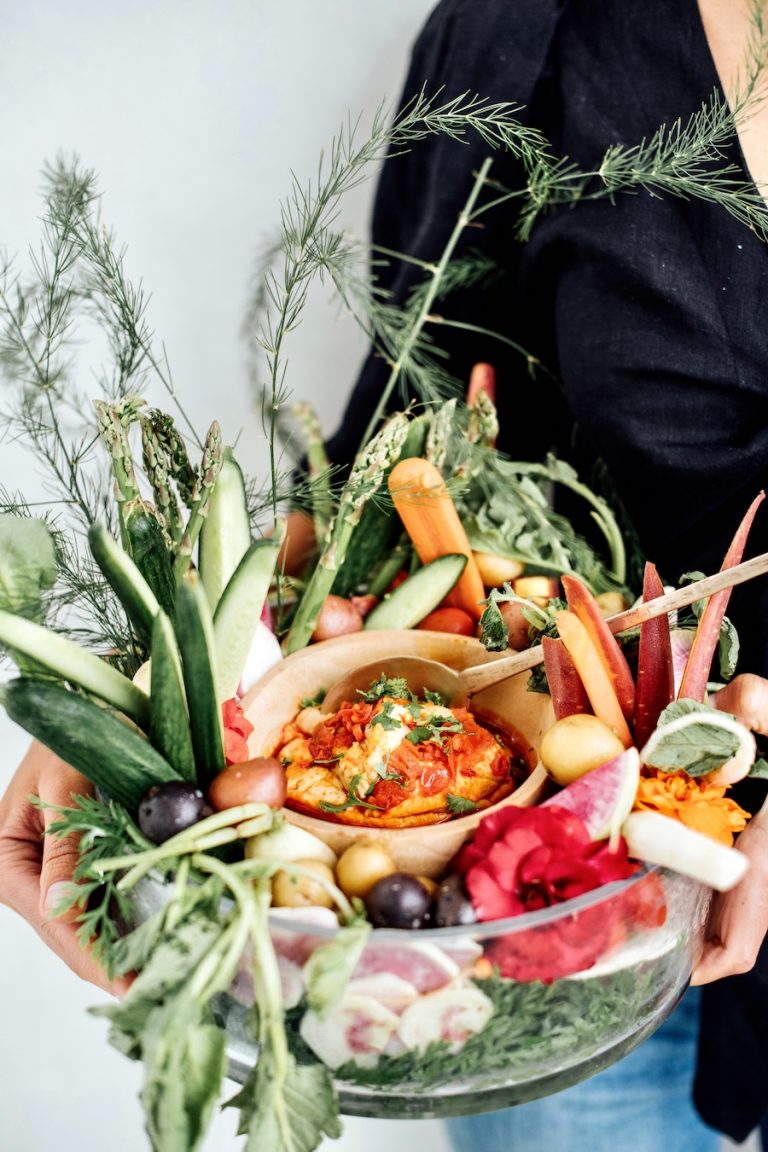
x: 424, y: 849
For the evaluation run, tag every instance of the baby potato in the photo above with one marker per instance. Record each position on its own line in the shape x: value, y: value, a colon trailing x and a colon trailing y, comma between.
x: 291, y: 890
x: 575, y: 745
x: 257, y: 781
x: 362, y: 865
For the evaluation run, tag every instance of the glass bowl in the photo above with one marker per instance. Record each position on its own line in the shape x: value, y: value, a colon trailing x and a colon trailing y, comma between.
x: 452, y: 1021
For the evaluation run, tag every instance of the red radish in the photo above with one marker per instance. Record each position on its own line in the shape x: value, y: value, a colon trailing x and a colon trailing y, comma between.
x: 655, y: 685
x: 603, y: 798
x: 568, y: 694
x: 338, y: 617
x: 696, y: 675
x: 448, y: 619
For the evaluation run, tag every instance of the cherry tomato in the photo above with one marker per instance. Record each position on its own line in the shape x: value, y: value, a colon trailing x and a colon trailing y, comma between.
x: 448, y: 619
x: 258, y: 781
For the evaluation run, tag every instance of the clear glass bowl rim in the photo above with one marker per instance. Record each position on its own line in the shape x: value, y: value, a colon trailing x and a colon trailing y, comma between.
x: 485, y: 929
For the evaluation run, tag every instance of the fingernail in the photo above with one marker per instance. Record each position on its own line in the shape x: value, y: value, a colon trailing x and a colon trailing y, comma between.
x: 56, y: 894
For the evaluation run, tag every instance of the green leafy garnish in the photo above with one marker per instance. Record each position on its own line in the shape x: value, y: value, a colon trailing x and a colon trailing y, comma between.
x: 698, y: 748
x: 352, y: 800
x: 396, y: 686
x: 435, y: 730
x: 459, y: 805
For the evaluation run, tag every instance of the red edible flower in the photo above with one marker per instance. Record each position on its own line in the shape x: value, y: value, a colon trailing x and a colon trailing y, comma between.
x: 525, y: 859
x: 237, y: 729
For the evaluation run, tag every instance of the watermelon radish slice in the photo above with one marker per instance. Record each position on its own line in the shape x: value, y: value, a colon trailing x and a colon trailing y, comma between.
x: 423, y: 965
x: 603, y: 798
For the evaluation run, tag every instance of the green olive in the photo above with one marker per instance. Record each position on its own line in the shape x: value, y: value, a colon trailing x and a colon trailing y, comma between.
x: 362, y: 865
x: 294, y: 890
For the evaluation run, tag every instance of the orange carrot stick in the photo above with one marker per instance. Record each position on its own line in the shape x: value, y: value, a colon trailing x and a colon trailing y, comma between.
x: 583, y: 604
x: 693, y: 685
x: 596, y: 681
x: 429, y: 516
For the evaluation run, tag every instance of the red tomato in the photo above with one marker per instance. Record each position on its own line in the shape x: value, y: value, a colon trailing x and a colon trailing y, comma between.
x: 449, y: 620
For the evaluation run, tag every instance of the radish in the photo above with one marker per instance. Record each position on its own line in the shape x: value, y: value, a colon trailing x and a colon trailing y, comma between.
x: 603, y: 797
x: 658, y: 839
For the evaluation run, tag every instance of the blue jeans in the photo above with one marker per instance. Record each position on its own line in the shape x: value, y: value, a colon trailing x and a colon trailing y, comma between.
x: 640, y: 1104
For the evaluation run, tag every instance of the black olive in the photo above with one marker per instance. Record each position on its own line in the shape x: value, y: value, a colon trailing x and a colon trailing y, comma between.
x: 398, y: 901
x: 170, y: 808
x: 452, y: 905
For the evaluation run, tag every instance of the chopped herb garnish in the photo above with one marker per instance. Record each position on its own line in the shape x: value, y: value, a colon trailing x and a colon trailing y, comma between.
x: 352, y: 800
x: 386, y: 719
x: 387, y: 686
x: 312, y: 701
x: 435, y: 730
x: 459, y: 805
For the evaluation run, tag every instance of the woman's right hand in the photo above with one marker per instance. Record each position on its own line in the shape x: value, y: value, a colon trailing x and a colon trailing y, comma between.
x: 34, y: 868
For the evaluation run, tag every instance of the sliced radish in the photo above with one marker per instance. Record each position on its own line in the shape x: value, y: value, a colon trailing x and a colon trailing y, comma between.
x: 733, y: 769
x: 423, y: 965
x: 359, y: 1029
x: 452, y: 1015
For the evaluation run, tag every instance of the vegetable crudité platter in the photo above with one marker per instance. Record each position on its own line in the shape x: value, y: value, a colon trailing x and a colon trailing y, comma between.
x: 401, y: 905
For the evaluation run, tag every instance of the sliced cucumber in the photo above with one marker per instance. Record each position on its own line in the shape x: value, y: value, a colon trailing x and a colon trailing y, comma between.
x: 238, y: 612
x: 111, y: 755
x: 417, y: 596
x: 68, y: 661
x: 225, y: 536
x: 130, y: 587
x: 169, y: 720
x: 194, y: 633
x: 151, y: 555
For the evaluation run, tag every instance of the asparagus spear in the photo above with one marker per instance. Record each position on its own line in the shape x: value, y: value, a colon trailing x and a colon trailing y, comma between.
x: 365, y: 479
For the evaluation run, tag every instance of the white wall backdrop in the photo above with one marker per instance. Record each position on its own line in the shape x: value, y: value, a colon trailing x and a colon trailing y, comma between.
x: 193, y: 114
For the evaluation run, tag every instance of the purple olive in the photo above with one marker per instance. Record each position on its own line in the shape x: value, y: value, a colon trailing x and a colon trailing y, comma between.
x: 170, y: 808
x: 398, y: 901
x: 451, y: 904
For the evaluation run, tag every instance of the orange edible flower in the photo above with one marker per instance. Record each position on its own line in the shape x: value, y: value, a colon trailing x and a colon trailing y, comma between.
x: 694, y: 802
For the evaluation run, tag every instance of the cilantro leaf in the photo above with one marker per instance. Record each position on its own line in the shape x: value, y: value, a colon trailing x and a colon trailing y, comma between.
x: 459, y: 805
x: 387, y: 686
x: 352, y: 800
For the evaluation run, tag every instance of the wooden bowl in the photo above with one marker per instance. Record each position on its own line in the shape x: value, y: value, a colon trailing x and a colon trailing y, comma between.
x: 424, y: 850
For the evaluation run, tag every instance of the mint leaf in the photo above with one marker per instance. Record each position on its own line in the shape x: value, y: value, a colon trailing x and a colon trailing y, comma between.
x: 494, y: 633
x: 697, y: 748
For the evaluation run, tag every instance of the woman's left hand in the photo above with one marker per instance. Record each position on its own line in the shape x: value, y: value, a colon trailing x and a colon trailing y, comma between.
x: 738, y: 920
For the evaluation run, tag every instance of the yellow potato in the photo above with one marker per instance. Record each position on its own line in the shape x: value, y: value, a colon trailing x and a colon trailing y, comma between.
x: 577, y: 744
x: 291, y: 890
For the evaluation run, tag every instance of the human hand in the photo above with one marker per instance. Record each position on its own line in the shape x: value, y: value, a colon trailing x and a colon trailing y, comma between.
x: 738, y: 920
x: 33, y: 866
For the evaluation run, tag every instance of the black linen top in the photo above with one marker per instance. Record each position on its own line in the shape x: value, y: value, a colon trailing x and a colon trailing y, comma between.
x: 650, y: 312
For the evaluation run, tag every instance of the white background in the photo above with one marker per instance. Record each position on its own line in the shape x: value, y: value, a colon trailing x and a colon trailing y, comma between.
x: 194, y: 115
